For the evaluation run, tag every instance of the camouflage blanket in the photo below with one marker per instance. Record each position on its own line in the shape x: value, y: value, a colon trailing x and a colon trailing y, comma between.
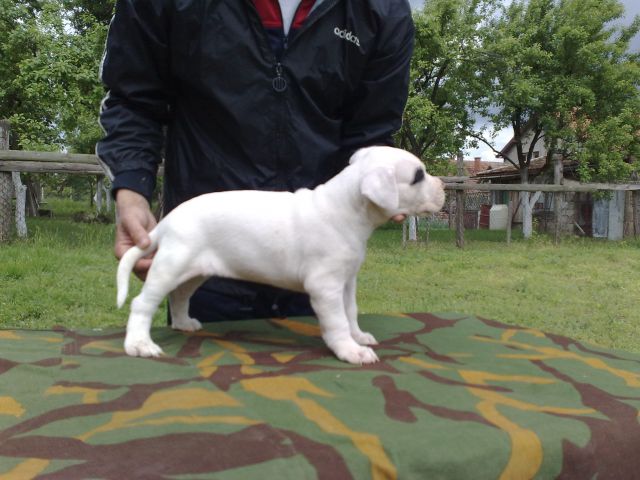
x: 454, y: 397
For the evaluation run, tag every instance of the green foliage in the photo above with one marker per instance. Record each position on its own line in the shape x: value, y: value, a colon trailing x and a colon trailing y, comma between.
x: 582, y: 288
x: 598, y: 110
x: 608, y: 146
x: 563, y: 70
x: 444, y: 85
x: 559, y: 70
x: 16, y: 45
x: 51, y: 89
x: 85, y: 14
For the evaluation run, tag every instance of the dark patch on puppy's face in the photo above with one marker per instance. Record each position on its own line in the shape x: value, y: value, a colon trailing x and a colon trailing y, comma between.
x: 419, y: 176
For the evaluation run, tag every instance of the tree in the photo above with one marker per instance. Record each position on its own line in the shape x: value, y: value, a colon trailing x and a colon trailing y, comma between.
x: 51, y: 90
x: 85, y: 14
x: 597, y: 95
x: 562, y: 70
x: 445, y: 89
x: 16, y: 45
x: 54, y: 80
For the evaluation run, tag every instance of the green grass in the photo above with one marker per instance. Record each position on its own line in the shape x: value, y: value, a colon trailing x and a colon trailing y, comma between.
x: 64, y: 274
x: 582, y: 288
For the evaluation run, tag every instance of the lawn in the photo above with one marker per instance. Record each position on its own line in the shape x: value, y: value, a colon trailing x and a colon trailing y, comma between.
x: 583, y: 288
x: 64, y: 274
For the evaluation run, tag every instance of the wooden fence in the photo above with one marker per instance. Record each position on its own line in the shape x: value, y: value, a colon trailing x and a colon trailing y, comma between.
x: 15, y: 162
x: 49, y: 162
x: 12, y: 163
x: 466, y: 186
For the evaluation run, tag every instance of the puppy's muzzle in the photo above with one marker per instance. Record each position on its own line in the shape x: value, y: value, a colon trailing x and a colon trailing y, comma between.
x: 436, y: 197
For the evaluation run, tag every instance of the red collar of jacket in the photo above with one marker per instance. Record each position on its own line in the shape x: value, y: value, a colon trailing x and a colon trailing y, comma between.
x: 269, y: 11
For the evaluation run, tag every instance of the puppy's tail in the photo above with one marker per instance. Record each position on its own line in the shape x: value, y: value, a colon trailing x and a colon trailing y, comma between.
x: 127, y: 262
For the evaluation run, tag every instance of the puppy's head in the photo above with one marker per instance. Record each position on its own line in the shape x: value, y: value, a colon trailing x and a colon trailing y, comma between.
x: 397, y: 183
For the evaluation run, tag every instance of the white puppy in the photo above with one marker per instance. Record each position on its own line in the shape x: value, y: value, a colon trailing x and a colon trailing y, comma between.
x: 311, y: 240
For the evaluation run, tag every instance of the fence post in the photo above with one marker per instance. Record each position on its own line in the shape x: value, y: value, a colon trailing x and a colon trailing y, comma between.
x: 460, y: 206
x: 21, y: 204
x: 6, y: 188
x: 629, y: 227
x: 558, y: 199
x: 99, y: 188
x: 635, y: 200
x: 509, y: 217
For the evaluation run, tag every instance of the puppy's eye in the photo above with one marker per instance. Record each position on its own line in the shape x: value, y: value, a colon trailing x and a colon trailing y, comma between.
x: 419, y: 176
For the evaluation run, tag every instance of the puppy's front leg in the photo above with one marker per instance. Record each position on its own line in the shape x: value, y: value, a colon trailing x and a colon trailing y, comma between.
x: 351, y: 307
x: 328, y: 303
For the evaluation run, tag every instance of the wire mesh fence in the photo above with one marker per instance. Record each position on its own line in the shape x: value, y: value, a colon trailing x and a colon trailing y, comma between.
x: 6, y: 188
x: 6, y: 206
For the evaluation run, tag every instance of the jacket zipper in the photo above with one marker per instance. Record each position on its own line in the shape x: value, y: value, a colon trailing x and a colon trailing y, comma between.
x: 277, y: 62
x: 280, y: 82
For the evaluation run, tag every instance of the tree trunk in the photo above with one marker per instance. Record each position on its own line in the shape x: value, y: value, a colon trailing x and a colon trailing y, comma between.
x: 527, y: 213
x: 527, y: 201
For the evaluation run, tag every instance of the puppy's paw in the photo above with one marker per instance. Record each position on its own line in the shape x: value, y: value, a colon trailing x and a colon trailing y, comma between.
x: 364, y: 338
x: 186, y: 325
x: 142, y: 348
x: 356, y: 354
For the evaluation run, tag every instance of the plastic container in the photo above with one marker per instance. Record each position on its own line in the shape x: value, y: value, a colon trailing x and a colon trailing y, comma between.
x: 498, y: 217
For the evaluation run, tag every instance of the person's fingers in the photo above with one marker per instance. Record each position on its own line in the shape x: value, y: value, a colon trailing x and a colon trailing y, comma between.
x: 137, y: 231
x: 141, y: 268
x: 123, y: 241
x: 136, y: 219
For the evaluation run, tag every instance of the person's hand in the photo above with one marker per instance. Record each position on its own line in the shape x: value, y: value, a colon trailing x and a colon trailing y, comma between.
x: 135, y: 221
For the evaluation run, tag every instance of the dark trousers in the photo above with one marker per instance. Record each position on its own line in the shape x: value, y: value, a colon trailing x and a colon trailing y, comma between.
x: 221, y: 299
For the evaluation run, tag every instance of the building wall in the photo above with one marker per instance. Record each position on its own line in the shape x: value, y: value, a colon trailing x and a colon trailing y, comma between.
x: 540, y: 148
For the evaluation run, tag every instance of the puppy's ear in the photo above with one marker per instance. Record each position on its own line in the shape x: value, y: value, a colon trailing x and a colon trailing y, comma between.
x: 379, y: 186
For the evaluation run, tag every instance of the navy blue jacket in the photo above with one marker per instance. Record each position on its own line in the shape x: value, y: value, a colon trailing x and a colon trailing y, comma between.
x: 200, y: 83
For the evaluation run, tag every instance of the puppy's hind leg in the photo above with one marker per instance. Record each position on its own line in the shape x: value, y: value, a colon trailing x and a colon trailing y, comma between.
x: 179, y: 306
x: 137, y: 342
x: 163, y: 277
x: 334, y: 324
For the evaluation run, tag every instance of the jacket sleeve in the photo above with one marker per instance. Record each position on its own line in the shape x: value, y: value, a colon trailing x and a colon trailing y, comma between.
x: 135, y: 71
x: 374, y: 113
